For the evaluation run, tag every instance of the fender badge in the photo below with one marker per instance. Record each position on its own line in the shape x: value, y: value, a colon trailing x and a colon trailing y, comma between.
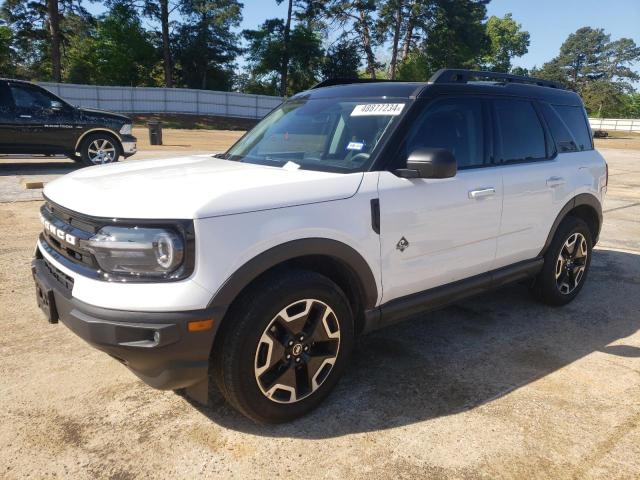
x: 403, y: 244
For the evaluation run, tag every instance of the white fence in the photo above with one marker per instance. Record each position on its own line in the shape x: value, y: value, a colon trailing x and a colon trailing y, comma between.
x: 165, y: 100
x: 620, y: 124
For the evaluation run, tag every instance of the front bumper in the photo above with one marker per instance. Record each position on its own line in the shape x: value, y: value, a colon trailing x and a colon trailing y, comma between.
x: 156, y: 346
x: 129, y: 145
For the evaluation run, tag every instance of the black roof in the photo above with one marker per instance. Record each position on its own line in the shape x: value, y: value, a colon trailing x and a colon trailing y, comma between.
x: 443, y: 82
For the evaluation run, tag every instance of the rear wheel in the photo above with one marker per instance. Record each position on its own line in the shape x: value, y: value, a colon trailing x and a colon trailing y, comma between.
x: 99, y: 148
x: 287, y: 341
x: 566, y: 263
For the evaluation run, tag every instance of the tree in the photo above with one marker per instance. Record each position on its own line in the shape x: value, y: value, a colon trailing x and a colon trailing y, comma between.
x: 604, y: 99
x: 360, y: 14
x: 391, y: 22
x: 206, y: 47
x: 264, y: 55
x: 38, y: 39
x: 453, y: 35
x: 589, y: 55
x: 457, y: 38
x: 506, y: 40
x: 7, y: 55
x: 284, y: 67
x: 118, y: 51
x: 599, y: 69
x: 632, y: 105
x: 342, y: 60
x: 161, y: 10
x: 53, y: 13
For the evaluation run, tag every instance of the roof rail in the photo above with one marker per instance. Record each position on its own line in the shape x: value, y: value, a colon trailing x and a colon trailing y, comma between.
x: 452, y: 75
x: 345, y: 81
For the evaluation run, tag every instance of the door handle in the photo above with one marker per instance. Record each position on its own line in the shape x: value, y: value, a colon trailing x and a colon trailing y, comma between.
x: 553, y: 182
x: 25, y: 116
x: 482, y: 192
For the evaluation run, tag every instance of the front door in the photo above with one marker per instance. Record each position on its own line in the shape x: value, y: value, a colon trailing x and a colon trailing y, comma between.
x: 437, y: 231
x: 6, y: 119
x: 44, y: 123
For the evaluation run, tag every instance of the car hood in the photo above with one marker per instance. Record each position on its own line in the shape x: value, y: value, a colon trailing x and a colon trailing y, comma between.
x: 193, y: 187
x: 94, y: 112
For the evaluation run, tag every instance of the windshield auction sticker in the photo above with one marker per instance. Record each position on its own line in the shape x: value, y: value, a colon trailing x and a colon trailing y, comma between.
x: 377, y: 109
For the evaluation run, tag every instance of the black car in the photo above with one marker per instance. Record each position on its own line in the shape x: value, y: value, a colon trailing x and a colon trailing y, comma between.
x: 35, y: 121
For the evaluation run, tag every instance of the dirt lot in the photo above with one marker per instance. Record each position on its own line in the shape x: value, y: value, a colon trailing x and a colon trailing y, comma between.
x: 496, y: 387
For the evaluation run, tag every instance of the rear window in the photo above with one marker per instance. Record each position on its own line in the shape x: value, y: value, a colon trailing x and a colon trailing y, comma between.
x: 559, y: 131
x: 575, y: 120
x: 519, y: 133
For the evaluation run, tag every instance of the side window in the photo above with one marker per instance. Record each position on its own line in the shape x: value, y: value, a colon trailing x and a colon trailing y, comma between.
x: 25, y: 96
x: 519, y: 133
x: 575, y: 120
x: 559, y: 131
x: 6, y: 102
x: 454, y: 124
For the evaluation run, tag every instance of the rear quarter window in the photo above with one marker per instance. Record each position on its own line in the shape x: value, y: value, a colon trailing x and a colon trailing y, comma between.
x: 559, y: 131
x: 576, y: 122
x: 519, y: 133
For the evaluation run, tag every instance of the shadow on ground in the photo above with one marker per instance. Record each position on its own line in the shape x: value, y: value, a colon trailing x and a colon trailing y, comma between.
x: 39, y: 168
x: 467, y: 355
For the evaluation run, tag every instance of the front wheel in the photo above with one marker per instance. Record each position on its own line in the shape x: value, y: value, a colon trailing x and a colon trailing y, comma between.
x: 286, y: 342
x: 566, y: 263
x: 99, y: 148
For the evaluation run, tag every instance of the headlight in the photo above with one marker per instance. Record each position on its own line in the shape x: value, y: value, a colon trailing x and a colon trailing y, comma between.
x: 126, y: 129
x: 137, y: 251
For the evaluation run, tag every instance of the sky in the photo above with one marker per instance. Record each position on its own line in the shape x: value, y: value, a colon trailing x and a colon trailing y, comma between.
x: 548, y: 21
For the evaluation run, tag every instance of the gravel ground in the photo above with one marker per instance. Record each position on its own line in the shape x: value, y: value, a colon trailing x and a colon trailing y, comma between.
x: 495, y: 387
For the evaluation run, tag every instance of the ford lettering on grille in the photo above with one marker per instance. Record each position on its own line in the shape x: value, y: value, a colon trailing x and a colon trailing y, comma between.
x: 59, y: 233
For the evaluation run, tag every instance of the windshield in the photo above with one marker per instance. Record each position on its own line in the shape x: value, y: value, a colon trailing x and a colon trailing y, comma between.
x: 325, y: 134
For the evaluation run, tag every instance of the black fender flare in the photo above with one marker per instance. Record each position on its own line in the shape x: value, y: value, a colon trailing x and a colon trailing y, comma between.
x: 586, y: 199
x: 279, y: 254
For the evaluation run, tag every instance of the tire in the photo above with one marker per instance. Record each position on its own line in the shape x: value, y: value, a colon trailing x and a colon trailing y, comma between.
x: 268, y: 342
x: 99, y: 148
x: 562, y: 277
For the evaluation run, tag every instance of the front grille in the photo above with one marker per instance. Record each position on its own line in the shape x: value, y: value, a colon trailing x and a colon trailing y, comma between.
x: 79, y: 229
x: 73, y: 219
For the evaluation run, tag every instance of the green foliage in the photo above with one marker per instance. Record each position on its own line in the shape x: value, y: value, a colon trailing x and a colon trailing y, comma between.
x: 458, y: 38
x: 632, y: 105
x: 604, y: 99
x: 191, y: 43
x: 205, y: 46
x: 599, y: 69
x: 7, y: 55
x: 341, y: 61
x: 264, y: 55
x: 118, y: 51
x: 455, y: 37
x: 506, y: 41
x: 31, y: 40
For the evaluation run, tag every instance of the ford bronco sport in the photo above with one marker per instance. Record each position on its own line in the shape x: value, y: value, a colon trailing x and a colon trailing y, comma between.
x: 351, y: 206
x: 35, y: 121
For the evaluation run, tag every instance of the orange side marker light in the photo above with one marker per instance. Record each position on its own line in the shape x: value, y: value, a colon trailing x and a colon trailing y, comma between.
x: 200, y: 325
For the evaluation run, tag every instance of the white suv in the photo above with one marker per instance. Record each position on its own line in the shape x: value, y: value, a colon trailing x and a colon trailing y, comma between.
x: 351, y: 206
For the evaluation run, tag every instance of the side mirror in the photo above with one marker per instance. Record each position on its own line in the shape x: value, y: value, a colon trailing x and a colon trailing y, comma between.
x: 429, y: 163
x: 56, y: 106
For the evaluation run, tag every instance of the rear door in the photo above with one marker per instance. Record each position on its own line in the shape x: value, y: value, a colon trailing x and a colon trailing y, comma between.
x: 6, y: 119
x: 535, y: 187
x: 45, y: 123
x: 437, y: 231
